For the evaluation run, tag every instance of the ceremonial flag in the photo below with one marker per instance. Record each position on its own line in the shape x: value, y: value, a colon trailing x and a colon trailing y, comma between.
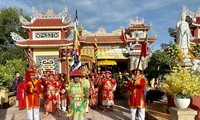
x: 123, y: 37
x: 143, y: 52
x: 95, y: 48
x: 144, y: 49
x: 76, y: 36
x: 76, y: 56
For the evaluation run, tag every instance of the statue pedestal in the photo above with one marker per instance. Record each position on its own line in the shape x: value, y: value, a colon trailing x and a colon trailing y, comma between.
x: 182, y: 114
x: 186, y: 64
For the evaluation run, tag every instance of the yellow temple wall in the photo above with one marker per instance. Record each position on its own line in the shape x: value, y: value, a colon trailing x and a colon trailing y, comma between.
x: 48, y: 51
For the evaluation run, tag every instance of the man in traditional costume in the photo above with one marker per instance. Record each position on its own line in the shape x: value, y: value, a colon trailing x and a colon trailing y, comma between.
x: 78, y: 96
x: 108, y: 88
x: 136, y: 90
x: 85, y: 82
x: 14, y: 86
x: 33, y: 95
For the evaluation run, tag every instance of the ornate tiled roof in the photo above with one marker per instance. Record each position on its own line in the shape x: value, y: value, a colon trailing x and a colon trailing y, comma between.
x: 43, y: 43
x: 46, y: 23
x: 139, y: 26
x: 103, y: 39
x: 47, y: 20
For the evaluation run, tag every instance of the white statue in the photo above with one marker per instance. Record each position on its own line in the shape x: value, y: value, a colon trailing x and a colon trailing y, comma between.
x: 196, y: 65
x: 183, y: 34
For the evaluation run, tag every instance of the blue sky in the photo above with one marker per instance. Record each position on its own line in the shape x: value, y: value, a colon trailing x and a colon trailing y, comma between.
x: 113, y: 14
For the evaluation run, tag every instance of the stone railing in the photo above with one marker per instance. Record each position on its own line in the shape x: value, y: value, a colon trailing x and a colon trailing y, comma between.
x: 6, y: 98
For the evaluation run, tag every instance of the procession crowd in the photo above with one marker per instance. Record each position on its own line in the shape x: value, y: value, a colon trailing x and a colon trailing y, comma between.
x: 84, y: 89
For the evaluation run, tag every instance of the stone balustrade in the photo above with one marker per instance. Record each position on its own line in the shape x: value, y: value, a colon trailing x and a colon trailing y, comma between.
x: 6, y: 98
x: 182, y: 114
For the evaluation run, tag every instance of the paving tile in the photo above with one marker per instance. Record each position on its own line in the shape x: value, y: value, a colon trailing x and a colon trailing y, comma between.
x: 121, y: 112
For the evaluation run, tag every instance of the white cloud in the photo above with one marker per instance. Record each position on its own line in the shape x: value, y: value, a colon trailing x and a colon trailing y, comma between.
x: 113, y: 14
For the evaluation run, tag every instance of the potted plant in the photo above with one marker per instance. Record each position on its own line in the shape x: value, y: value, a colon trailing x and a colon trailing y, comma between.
x: 182, y: 84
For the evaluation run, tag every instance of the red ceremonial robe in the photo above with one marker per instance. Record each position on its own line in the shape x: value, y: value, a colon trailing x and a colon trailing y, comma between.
x: 33, y: 97
x: 108, y: 87
x: 136, y: 91
x: 21, y: 95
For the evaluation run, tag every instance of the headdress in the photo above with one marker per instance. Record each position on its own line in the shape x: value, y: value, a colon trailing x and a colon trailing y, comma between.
x: 51, y: 74
x: 108, y: 72
x: 92, y: 74
x: 76, y: 73
x: 28, y: 74
x: 133, y: 71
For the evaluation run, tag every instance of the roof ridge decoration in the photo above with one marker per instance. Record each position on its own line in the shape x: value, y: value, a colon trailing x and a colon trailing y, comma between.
x: 102, y: 32
x: 193, y: 15
x: 50, y: 14
x: 16, y: 37
x: 138, y: 22
x: 118, y: 31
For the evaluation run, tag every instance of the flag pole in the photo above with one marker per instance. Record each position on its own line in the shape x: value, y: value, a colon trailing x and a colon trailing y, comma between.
x: 142, y: 53
x: 67, y: 62
x: 68, y: 81
x: 95, y: 54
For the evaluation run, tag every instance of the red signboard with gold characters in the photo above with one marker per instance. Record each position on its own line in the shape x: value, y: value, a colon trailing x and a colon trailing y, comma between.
x: 62, y: 53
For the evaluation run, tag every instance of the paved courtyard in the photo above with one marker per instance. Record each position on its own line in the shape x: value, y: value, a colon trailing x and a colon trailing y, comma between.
x: 155, y: 111
x: 121, y: 113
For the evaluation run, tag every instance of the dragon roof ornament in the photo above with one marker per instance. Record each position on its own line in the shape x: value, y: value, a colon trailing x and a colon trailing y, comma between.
x: 50, y: 14
x: 24, y: 20
x: 102, y: 32
x: 16, y: 37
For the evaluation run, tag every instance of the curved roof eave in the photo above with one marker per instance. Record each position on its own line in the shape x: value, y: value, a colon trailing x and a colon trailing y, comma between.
x: 45, y: 27
x: 38, y: 46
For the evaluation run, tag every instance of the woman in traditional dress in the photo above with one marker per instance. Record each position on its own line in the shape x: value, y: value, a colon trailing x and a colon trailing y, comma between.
x: 108, y: 87
x: 58, y: 86
x: 50, y: 98
x: 94, y: 88
x: 21, y: 87
x: 63, y: 101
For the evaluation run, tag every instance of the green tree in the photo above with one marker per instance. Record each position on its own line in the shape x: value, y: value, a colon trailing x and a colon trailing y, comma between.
x: 13, y: 52
x: 159, y: 64
x: 9, y: 22
x: 8, y: 71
